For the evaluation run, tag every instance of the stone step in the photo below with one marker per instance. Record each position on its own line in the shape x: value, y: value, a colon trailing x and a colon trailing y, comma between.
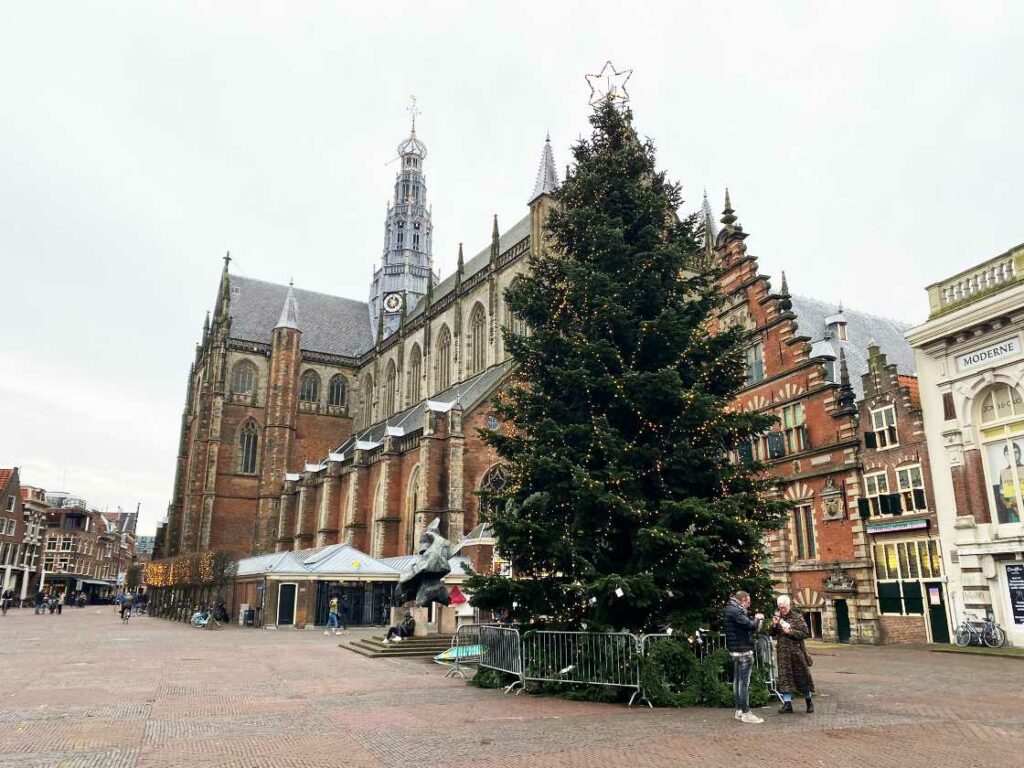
x: 409, y: 647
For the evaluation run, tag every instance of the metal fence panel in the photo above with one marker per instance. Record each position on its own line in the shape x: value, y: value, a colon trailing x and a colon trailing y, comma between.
x: 583, y: 658
x: 502, y: 650
x: 465, y: 650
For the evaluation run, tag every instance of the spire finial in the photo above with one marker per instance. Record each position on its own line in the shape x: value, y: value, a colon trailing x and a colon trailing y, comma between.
x: 461, y: 264
x: 785, y: 300
x: 495, y: 239
x: 547, y: 177
x: 227, y: 259
x: 784, y: 288
x: 728, y: 214
x: 846, y: 396
x: 413, y: 110
x: 290, y: 311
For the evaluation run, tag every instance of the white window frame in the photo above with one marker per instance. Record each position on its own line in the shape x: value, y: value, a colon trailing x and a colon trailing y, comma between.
x: 794, y: 427
x: 876, y: 484
x: 9, y: 504
x: 754, y: 358
x: 883, y: 424
x: 906, y: 485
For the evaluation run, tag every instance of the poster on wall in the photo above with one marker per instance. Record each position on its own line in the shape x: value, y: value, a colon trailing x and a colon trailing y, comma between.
x: 1015, y: 585
x: 1002, y: 458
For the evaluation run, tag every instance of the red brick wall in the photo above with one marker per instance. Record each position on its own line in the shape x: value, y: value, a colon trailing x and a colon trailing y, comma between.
x: 903, y: 629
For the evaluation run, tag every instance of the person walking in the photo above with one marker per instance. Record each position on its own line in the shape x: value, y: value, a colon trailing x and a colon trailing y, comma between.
x: 6, y: 599
x: 793, y: 673
x: 60, y: 603
x: 343, y: 613
x: 40, y: 601
x: 739, y: 639
x: 332, y: 617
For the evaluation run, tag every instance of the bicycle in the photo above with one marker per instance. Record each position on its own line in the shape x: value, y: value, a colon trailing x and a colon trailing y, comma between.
x: 989, y: 633
x: 201, y: 619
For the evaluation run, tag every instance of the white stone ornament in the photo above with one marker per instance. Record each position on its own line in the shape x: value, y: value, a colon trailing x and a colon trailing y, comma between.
x: 609, y: 85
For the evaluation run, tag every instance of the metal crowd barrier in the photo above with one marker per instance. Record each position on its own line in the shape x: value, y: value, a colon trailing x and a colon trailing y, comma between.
x: 502, y: 650
x: 584, y: 658
x: 465, y: 650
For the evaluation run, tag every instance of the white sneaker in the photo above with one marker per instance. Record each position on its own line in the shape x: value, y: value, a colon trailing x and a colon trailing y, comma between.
x: 750, y: 717
x: 326, y: 632
x: 739, y: 714
x: 398, y: 639
x: 386, y: 641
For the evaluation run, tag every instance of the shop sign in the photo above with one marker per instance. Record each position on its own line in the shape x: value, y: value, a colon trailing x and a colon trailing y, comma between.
x: 898, y: 525
x: 993, y: 353
x: 1015, y: 584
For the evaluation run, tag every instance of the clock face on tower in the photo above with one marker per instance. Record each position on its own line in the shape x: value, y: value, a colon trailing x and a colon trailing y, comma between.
x: 392, y: 302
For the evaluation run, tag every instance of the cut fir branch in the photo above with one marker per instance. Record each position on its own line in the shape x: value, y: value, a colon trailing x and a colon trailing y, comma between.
x: 623, y: 510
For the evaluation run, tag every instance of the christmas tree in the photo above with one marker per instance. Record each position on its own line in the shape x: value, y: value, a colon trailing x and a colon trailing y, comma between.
x: 627, y: 506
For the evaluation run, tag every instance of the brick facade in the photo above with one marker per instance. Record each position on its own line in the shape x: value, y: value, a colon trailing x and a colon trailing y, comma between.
x: 901, y: 522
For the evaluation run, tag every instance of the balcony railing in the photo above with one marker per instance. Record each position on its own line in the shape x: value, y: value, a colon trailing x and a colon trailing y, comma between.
x: 983, y: 280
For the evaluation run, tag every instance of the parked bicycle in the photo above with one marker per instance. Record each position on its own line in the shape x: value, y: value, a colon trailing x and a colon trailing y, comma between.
x: 201, y: 619
x: 987, y: 633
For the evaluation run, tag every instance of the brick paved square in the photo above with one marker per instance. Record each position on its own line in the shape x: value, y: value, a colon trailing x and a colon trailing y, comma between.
x: 157, y: 694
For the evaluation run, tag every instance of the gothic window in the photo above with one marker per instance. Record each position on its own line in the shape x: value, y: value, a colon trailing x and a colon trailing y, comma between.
x: 494, y: 481
x: 367, y: 414
x: 1002, y: 419
x: 309, y: 387
x: 389, y: 389
x: 243, y: 378
x: 477, y: 339
x: 400, y: 239
x: 336, y: 390
x: 412, y: 504
x: 415, y: 374
x: 416, y: 241
x: 444, y: 359
x: 248, y: 442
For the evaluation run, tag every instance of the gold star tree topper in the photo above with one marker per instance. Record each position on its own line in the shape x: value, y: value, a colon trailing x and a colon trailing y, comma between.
x: 609, y: 84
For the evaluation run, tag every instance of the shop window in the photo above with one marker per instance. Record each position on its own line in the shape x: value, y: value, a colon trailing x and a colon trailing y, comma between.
x: 1006, y: 473
x: 900, y: 568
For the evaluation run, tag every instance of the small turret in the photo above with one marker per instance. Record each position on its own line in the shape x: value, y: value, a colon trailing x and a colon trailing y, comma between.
x: 495, y: 240
x: 846, y: 395
x: 785, y: 300
x: 547, y: 177
x: 290, y: 311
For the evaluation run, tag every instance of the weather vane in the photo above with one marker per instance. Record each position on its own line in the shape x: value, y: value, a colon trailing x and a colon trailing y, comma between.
x: 413, y: 110
x: 609, y: 85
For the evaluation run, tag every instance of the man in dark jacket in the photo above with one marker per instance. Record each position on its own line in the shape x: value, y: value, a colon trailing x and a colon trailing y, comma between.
x: 739, y: 638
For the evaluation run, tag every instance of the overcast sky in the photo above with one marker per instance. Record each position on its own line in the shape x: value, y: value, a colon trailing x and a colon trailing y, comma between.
x: 870, y: 149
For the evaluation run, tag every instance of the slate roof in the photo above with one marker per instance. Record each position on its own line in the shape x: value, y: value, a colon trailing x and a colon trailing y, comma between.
x: 862, y: 329
x: 512, y: 236
x: 329, y: 324
x: 468, y: 393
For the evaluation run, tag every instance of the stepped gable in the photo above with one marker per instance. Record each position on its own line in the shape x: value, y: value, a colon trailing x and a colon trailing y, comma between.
x: 813, y: 317
x: 329, y: 324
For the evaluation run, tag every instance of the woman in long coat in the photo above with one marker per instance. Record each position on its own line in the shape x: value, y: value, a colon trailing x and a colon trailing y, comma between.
x: 793, y: 674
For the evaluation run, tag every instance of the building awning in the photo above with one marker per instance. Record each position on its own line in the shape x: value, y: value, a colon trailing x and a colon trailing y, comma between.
x: 96, y: 581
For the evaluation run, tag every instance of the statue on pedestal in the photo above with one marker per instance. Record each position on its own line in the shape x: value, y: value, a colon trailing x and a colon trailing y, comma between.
x: 422, y: 580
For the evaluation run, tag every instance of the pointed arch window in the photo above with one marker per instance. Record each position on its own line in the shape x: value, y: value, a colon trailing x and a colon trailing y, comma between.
x: 336, y: 390
x: 243, y: 378
x: 248, y: 445
x: 309, y: 387
x: 477, y: 339
x: 444, y: 359
x: 390, y: 385
x: 367, y: 393
x: 415, y: 374
x: 494, y: 482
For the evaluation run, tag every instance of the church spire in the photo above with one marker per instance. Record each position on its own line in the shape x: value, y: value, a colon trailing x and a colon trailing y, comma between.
x: 710, y: 229
x: 290, y: 311
x: 547, y: 177
x: 406, y: 269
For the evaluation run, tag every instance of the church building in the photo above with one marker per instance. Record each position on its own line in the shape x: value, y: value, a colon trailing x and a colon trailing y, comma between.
x: 313, y: 419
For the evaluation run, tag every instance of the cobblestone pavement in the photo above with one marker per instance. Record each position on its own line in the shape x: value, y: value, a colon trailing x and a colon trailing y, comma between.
x: 83, y: 690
